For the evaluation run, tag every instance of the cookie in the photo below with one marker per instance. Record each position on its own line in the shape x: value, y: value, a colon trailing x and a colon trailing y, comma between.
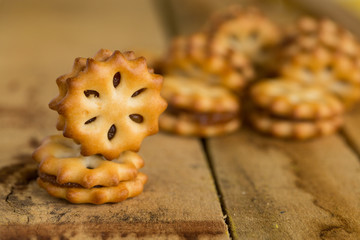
x: 189, y: 57
x: 295, y: 100
x: 242, y: 30
x: 95, y: 195
x: 198, y: 109
x: 104, y: 104
x: 294, y: 129
x: 335, y: 72
x: 60, y: 157
x: 309, y: 33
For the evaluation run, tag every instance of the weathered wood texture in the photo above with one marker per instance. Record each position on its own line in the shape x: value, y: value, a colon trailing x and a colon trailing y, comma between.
x: 288, y: 190
x: 39, y: 41
x: 270, y: 189
x: 179, y: 200
x: 284, y: 190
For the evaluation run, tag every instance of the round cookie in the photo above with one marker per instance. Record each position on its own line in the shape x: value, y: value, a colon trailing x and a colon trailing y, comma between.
x: 335, y: 72
x: 294, y: 100
x: 309, y: 33
x: 104, y: 106
x: 198, y: 109
x: 189, y: 57
x: 242, y: 30
x: 60, y: 158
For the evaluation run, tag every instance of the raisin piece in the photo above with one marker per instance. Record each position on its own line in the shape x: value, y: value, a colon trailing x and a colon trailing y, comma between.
x: 90, y: 120
x: 91, y: 92
x: 116, y: 79
x: 136, y: 118
x: 138, y: 92
x: 111, y: 132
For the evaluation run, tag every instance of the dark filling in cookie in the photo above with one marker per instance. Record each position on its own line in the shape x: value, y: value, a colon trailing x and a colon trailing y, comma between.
x: 264, y: 112
x: 203, y: 118
x: 52, y: 179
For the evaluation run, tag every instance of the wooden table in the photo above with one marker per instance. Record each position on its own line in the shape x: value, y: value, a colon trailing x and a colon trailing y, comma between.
x: 241, y: 186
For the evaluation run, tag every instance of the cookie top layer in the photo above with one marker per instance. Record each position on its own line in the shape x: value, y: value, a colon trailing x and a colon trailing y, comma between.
x: 336, y: 72
x: 190, y: 57
x: 295, y: 100
x: 243, y: 30
x: 104, y: 105
x: 308, y: 33
x: 197, y: 96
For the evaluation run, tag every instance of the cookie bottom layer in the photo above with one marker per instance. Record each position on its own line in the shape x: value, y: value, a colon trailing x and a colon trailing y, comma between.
x: 173, y: 124
x: 98, y: 195
x: 288, y: 128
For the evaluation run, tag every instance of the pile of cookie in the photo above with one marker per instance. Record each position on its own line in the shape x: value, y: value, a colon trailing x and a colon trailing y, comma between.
x: 104, y: 115
x: 295, y: 83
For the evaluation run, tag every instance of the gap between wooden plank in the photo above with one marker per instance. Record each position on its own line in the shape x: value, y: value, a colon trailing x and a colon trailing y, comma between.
x: 349, y: 143
x: 217, y: 186
x: 166, y: 11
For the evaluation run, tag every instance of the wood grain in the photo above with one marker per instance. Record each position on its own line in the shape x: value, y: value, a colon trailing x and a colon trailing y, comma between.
x: 288, y: 190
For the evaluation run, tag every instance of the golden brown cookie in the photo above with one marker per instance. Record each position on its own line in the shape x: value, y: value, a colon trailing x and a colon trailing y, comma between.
x: 242, y: 30
x: 95, y: 195
x: 294, y: 129
x: 104, y: 105
x: 309, y: 33
x: 198, y: 109
x: 335, y: 72
x: 295, y: 100
x: 60, y: 158
x: 189, y: 57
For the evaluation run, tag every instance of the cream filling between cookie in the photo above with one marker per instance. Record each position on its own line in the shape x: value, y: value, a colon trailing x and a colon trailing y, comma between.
x: 52, y: 179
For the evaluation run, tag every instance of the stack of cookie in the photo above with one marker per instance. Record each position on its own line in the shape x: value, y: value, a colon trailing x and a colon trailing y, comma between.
x: 199, y: 109
x: 104, y: 115
x: 316, y: 56
x: 318, y: 80
x: 219, y: 61
x: 290, y: 109
x: 320, y: 52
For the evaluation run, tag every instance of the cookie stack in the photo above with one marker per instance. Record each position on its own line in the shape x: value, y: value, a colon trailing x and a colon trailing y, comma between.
x: 321, y: 53
x: 290, y: 109
x: 220, y: 60
x: 198, y: 109
x: 315, y: 65
x: 104, y: 115
x: 318, y: 80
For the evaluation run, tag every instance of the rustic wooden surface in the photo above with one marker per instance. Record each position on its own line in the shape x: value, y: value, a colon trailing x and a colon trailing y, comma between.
x: 241, y: 186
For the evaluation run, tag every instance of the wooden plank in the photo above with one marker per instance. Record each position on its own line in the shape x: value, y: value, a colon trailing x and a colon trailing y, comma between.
x: 39, y: 40
x: 276, y: 189
x: 179, y: 200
